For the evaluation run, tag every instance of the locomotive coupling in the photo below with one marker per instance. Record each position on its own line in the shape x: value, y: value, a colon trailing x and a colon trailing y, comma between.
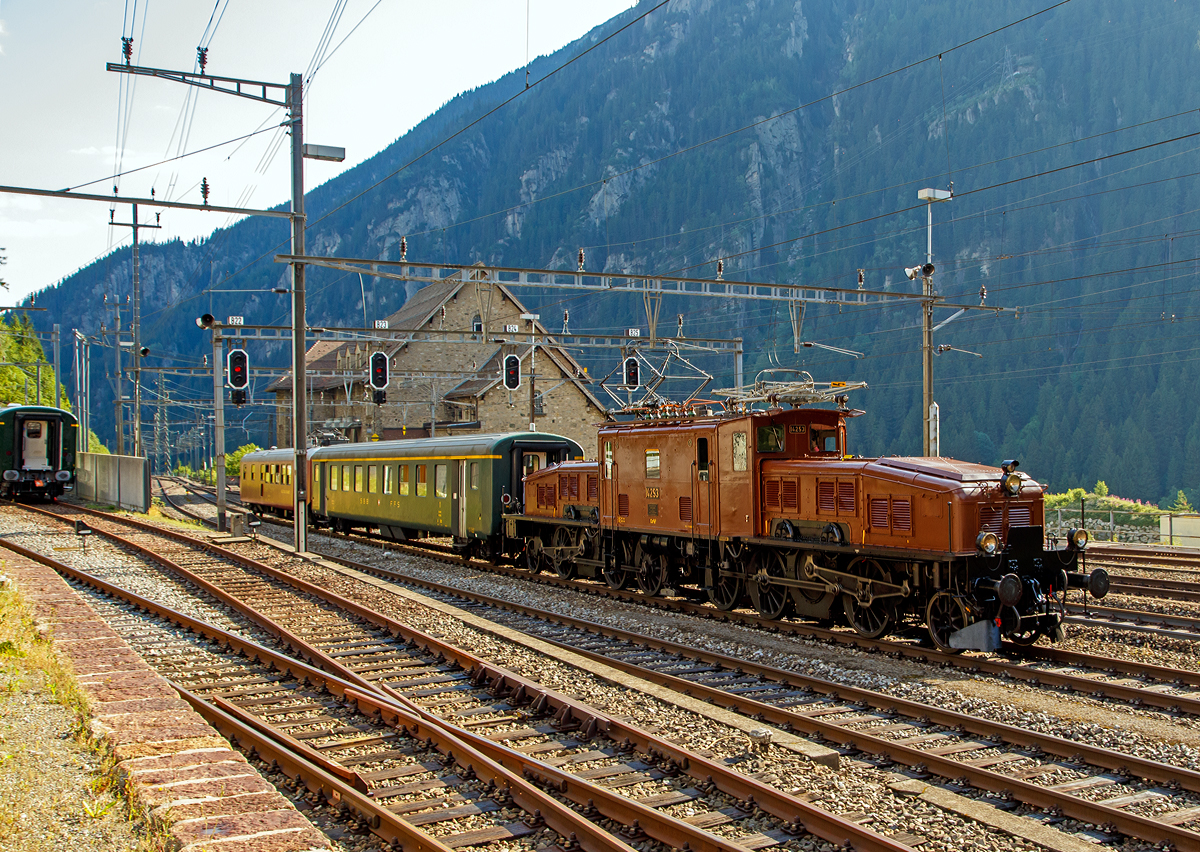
x: 1008, y: 589
x: 1095, y: 581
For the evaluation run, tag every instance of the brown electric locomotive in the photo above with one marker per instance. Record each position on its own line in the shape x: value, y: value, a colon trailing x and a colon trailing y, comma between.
x: 765, y: 504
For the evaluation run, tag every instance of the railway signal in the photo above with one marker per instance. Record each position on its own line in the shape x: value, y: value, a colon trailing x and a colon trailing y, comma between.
x: 378, y: 377
x: 512, y: 372
x: 631, y: 372
x: 237, y: 373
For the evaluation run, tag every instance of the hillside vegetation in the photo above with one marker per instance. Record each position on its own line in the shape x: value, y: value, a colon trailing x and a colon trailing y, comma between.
x: 790, y: 138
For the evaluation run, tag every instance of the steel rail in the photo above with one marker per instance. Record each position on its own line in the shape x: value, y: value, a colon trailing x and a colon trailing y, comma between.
x: 1121, y: 617
x: 1055, y: 801
x: 790, y: 809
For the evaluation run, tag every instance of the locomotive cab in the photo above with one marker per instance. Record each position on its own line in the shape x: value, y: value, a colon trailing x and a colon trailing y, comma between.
x: 39, y: 450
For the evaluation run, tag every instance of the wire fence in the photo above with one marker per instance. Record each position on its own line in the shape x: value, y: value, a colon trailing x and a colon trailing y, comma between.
x: 1141, y: 527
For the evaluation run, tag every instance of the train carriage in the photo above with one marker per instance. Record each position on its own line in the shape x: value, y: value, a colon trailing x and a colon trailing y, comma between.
x: 266, y: 481
x: 39, y: 451
x: 453, y: 486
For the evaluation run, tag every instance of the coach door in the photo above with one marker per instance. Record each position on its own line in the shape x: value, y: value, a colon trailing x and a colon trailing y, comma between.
x: 318, y: 493
x: 459, y: 501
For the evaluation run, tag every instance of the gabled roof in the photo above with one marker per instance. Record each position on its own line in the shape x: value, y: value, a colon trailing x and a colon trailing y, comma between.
x: 416, y: 313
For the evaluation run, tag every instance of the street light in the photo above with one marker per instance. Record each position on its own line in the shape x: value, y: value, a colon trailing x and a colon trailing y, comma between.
x: 929, y: 196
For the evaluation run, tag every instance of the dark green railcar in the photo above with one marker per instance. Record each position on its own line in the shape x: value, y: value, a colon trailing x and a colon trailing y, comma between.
x: 455, y: 486
x: 38, y: 446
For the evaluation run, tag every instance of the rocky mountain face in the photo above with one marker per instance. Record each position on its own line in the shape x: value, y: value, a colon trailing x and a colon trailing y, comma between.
x: 790, y: 137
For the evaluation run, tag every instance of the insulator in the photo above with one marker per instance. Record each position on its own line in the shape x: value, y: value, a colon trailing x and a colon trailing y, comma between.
x: 581, y: 257
x: 403, y: 248
x: 720, y: 269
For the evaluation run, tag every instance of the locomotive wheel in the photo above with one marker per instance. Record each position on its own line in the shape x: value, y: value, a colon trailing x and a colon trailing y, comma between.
x: 726, y: 592
x: 772, y: 600
x: 873, y: 619
x: 652, y: 570
x: 564, y: 566
x: 944, y: 615
x: 617, y: 577
x: 1024, y: 638
x: 532, y: 556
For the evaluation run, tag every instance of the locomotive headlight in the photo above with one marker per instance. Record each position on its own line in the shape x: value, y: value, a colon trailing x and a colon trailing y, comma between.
x: 1077, y: 539
x: 62, y: 475
x: 12, y: 475
x: 988, y: 543
x: 1011, y: 483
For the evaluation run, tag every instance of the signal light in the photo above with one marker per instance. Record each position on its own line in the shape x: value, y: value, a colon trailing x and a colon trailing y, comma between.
x: 237, y: 369
x: 631, y: 372
x: 379, y: 371
x: 144, y: 351
x: 205, y: 320
x: 512, y: 372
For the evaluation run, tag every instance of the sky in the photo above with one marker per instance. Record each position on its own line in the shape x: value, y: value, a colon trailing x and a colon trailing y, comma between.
x: 69, y: 123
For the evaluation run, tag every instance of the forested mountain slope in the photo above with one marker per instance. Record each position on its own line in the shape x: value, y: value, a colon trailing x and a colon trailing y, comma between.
x: 707, y: 131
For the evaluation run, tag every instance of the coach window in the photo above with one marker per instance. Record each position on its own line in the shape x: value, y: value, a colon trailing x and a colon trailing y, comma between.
x: 702, y: 458
x: 373, y: 479
x: 316, y: 483
x: 287, y: 475
x: 403, y: 480
x: 739, y: 451
x: 358, y: 478
x: 387, y: 479
x: 334, y: 479
x: 474, y: 476
x: 439, y: 480
x: 347, y: 482
x: 652, y: 464
x: 422, y: 480
x: 608, y: 459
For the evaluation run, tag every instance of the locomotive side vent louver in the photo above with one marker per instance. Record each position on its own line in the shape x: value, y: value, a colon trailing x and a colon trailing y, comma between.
x: 826, y: 499
x: 772, y: 493
x: 568, y: 486
x: 546, y: 496
x: 623, y: 505
x: 991, y: 519
x: 879, y: 512
x: 845, y: 498
x: 1020, y: 516
x: 593, y: 486
x: 791, y: 494
x: 901, y: 515
x: 685, y: 509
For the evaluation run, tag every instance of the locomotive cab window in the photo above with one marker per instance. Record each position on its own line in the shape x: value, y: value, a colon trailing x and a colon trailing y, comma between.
x: 608, y: 459
x: 702, y: 458
x: 823, y: 441
x: 653, y: 464
x: 739, y: 451
x: 770, y: 439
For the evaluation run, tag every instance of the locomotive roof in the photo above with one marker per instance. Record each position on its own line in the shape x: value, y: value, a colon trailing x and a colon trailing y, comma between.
x: 450, y: 445
x: 944, y: 468
x: 823, y: 416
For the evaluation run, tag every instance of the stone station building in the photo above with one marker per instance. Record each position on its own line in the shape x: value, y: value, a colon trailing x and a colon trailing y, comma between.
x: 450, y: 339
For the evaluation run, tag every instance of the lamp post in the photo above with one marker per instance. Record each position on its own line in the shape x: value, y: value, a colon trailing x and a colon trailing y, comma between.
x: 929, y: 196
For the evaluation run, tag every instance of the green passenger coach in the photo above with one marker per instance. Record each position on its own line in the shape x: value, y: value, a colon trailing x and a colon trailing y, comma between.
x: 37, y: 443
x: 455, y: 486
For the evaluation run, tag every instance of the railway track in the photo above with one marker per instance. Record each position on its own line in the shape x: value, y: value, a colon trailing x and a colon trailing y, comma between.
x: 1129, y: 683
x: 1045, y: 772
x: 601, y: 765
